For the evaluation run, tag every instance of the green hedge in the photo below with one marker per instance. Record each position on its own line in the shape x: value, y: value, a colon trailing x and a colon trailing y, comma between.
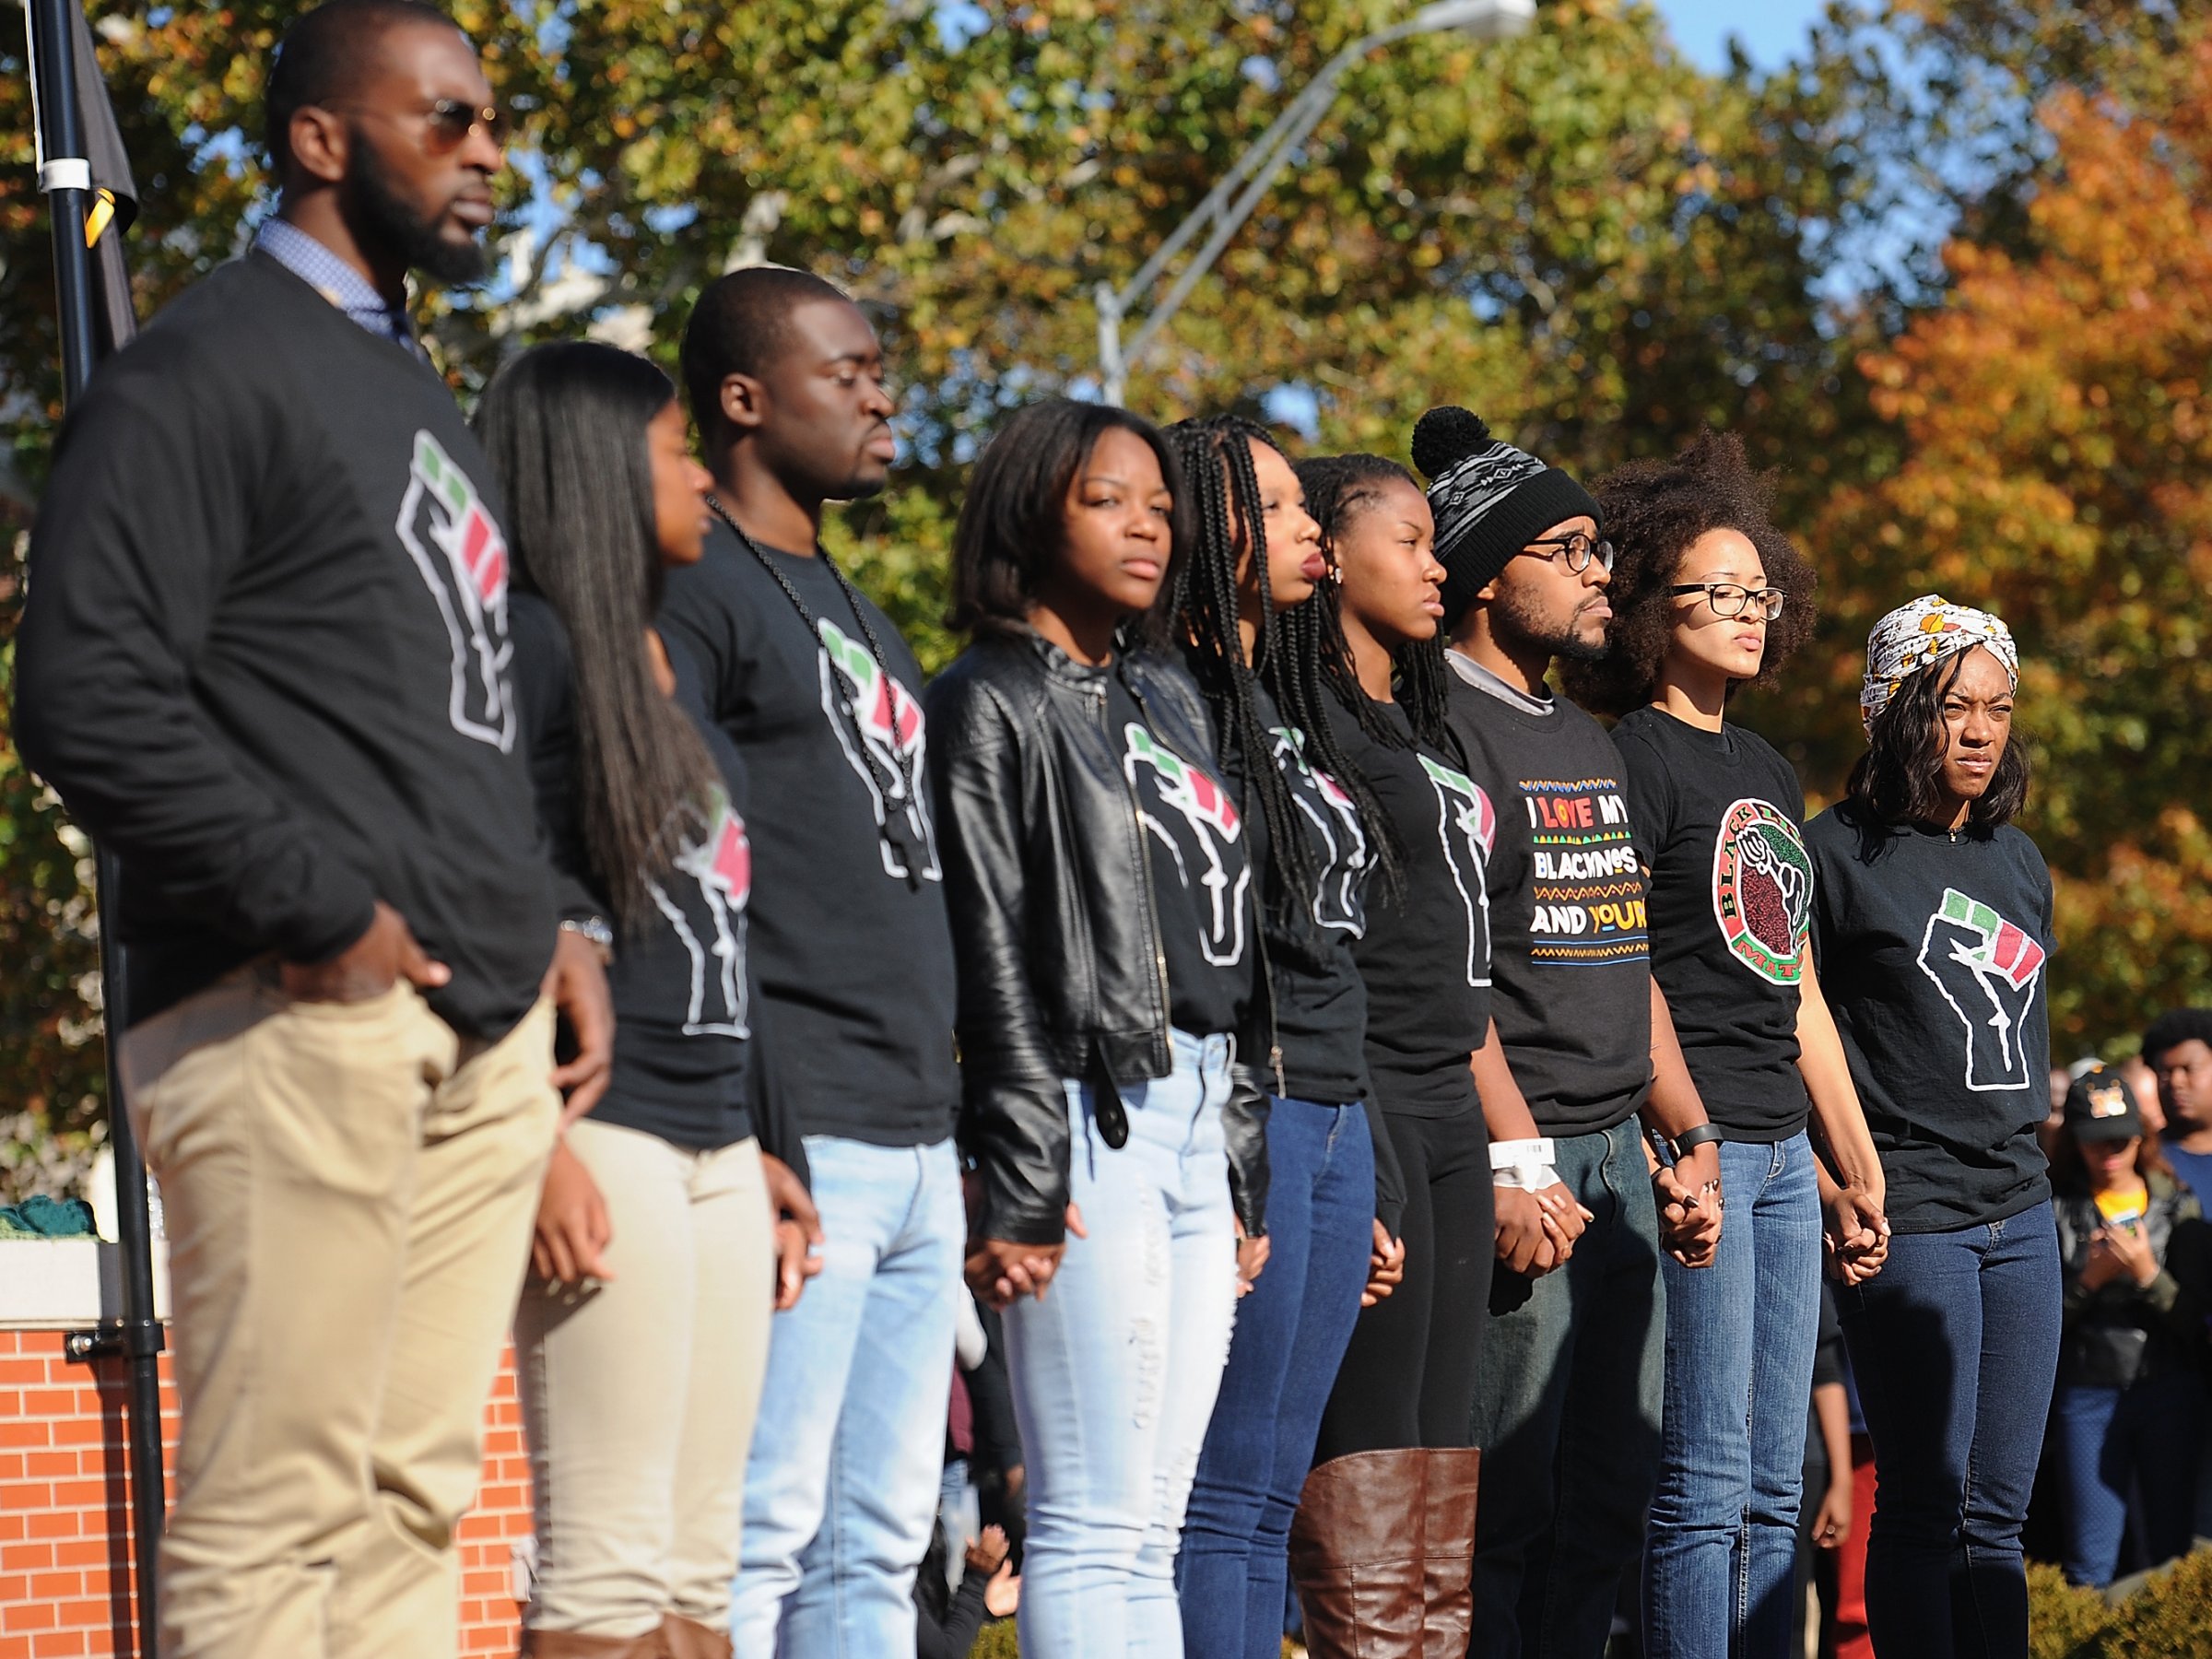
x: 2169, y: 1618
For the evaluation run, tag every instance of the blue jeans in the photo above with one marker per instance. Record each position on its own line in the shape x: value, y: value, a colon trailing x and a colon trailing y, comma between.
x: 1116, y: 1369
x: 1290, y: 1335
x: 1720, y: 1560
x: 2113, y: 1440
x: 840, y: 1490
x: 1954, y: 1345
x: 1567, y: 1399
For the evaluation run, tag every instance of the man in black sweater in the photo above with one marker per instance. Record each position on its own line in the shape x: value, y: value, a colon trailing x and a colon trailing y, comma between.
x: 264, y: 661
x: 848, y: 934
x: 1567, y: 1391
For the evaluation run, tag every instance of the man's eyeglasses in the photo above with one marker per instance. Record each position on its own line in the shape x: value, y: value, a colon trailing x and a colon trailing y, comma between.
x: 447, y: 123
x: 1579, y: 549
x: 1730, y: 599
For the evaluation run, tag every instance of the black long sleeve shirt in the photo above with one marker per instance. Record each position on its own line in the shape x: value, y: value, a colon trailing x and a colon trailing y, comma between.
x: 264, y: 656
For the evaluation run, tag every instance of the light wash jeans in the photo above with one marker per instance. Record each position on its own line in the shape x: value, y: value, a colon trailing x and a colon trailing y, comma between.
x: 840, y: 1490
x: 1720, y: 1560
x: 1115, y: 1370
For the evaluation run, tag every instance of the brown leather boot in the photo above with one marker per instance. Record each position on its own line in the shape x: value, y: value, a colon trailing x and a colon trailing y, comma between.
x: 572, y: 1644
x: 687, y: 1639
x: 1356, y: 1556
x: 1448, y: 1552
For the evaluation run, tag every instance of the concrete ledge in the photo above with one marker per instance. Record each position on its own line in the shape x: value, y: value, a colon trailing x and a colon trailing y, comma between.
x: 50, y: 1283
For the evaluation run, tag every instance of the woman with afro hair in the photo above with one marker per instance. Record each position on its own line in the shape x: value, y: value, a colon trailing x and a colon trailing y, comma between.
x: 1708, y: 596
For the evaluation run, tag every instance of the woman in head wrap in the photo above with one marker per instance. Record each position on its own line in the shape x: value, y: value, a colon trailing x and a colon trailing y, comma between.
x: 1931, y: 925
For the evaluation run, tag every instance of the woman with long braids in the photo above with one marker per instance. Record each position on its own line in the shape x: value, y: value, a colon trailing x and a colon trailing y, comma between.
x: 1098, y: 879
x: 1709, y: 596
x: 1384, y: 1540
x: 1932, y: 922
x: 1247, y: 619
x: 642, y: 1335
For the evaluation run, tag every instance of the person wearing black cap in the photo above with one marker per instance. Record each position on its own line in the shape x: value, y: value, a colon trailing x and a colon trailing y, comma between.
x: 1568, y: 1388
x: 2130, y: 1405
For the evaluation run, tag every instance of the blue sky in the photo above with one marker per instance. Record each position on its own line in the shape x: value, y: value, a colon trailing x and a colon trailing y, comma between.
x: 1770, y: 30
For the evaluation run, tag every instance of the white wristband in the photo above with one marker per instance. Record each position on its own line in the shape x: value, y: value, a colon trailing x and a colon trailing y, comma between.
x: 1525, y: 1164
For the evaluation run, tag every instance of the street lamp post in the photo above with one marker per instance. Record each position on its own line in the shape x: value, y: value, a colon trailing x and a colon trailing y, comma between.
x: 1232, y: 200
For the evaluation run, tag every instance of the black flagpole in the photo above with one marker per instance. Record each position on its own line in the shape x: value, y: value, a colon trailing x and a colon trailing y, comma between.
x: 66, y: 176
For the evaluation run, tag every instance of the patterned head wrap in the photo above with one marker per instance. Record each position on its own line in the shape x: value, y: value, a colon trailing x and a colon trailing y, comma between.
x: 1929, y: 631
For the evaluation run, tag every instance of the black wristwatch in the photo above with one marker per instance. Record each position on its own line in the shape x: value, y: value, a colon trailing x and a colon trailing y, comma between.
x: 1691, y: 1138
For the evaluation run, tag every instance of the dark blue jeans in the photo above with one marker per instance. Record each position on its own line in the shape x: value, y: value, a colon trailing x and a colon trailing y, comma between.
x: 2114, y: 1440
x: 1954, y: 1347
x: 1566, y: 1402
x: 1290, y: 1335
x: 1721, y: 1563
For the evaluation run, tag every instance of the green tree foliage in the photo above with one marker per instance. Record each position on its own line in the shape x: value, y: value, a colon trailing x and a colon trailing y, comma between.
x: 1593, y: 243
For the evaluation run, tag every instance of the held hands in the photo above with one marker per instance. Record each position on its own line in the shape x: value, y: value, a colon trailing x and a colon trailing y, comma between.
x: 1385, y: 1267
x: 577, y: 984
x: 1536, y: 1231
x: 369, y: 967
x: 1857, y: 1234
x: 798, y: 1230
x: 1252, y: 1256
x: 988, y: 1555
x: 999, y: 1270
x: 1689, y: 1205
x: 573, y: 1230
x: 2116, y: 1253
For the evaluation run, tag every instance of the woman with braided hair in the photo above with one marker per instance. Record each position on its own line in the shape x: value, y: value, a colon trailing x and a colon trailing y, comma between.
x: 1383, y: 1545
x: 1246, y: 605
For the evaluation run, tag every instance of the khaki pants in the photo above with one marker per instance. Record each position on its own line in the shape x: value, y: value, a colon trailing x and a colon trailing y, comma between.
x: 349, y: 1191
x: 639, y: 1394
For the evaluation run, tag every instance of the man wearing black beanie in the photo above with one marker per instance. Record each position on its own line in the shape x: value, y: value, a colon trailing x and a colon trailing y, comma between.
x: 1581, y: 1035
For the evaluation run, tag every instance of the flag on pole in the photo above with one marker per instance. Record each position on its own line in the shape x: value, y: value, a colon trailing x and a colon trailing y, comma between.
x: 114, y: 193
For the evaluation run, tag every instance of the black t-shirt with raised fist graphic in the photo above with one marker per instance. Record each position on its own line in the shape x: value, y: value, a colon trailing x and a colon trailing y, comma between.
x: 1201, y: 856
x: 681, y: 981
x: 850, y: 935
x: 1719, y: 822
x: 1320, y: 999
x: 1425, y: 951
x: 1934, y: 950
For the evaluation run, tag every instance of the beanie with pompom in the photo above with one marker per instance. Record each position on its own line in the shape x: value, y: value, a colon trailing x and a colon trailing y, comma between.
x: 1490, y: 500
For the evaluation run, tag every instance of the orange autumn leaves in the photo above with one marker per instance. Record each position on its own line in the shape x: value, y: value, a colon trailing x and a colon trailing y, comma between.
x: 2058, y: 412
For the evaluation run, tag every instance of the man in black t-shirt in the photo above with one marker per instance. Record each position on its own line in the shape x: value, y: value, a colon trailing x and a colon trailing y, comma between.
x: 1581, y: 1037
x: 854, y: 956
x: 265, y: 661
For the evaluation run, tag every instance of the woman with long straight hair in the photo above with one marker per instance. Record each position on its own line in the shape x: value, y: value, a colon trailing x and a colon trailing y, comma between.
x: 1246, y: 621
x: 642, y: 1335
x: 1383, y: 1543
x: 1709, y: 596
x: 1099, y: 877
x: 1932, y: 923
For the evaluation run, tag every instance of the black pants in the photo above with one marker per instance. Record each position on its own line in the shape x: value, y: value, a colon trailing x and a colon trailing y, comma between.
x: 1409, y: 1377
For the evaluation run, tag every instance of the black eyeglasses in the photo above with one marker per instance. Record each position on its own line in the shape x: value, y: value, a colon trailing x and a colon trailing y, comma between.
x: 1730, y: 598
x: 1579, y: 550
x: 447, y: 123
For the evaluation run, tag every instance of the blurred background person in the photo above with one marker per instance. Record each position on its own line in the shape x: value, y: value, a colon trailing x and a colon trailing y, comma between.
x: 2129, y: 1411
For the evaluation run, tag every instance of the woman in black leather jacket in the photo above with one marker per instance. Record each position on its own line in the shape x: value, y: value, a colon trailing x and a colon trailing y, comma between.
x: 1099, y: 883
x: 2130, y: 1404
x: 1251, y: 567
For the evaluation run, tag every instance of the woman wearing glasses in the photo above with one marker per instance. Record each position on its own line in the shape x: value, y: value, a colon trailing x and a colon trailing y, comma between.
x: 1709, y: 596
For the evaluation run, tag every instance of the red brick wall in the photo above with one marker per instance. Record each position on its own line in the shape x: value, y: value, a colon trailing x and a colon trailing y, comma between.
x: 65, y: 1508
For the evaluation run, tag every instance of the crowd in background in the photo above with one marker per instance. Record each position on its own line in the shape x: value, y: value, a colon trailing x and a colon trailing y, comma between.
x: 1240, y: 1090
